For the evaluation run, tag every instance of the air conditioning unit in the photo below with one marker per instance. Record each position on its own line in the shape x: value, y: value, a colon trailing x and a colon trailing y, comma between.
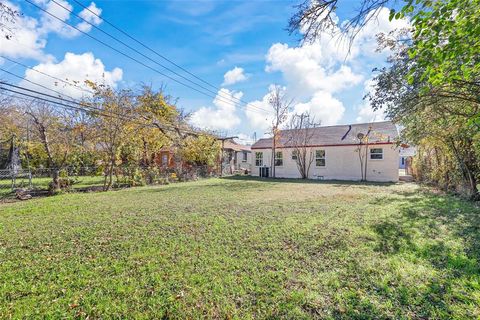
x: 264, y: 172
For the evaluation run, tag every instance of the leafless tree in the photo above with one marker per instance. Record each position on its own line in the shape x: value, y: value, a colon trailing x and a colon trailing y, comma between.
x: 315, y: 17
x: 364, y: 139
x: 281, y: 106
x: 8, y: 17
x: 51, y: 128
x: 299, y: 136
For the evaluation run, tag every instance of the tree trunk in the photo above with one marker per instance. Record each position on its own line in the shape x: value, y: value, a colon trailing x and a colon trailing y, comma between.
x: 366, y: 162
x: 55, y: 184
x: 109, y: 177
x: 469, y: 177
x: 273, y: 154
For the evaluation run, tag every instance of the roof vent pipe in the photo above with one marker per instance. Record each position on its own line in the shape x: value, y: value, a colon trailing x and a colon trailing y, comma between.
x: 346, y: 134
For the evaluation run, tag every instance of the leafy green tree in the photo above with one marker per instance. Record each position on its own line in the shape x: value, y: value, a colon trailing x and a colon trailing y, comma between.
x: 113, y: 123
x: 200, y: 150
x: 438, y: 124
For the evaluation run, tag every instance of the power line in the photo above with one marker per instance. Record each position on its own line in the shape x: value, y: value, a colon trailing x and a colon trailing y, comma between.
x: 58, y: 92
x: 35, y: 83
x: 48, y: 75
x: 133, y: 49
x: 47, y: 100
x: 144, y: 45
x: 56, y: 103
x: 126, y: 55
x: 150, y: 49
x: 91, y: 109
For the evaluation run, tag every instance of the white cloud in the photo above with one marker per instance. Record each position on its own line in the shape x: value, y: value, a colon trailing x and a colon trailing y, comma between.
x: 74, y: 68
x: 323, y: 107
x: 365, y: 111
x: 366, y: 43
x: 367, y: 114
x: 244, y: 139
x: 90, y: 17
x: 260, y: 114
x: 315, y: 73
x: 223, y: 115
x: 61, y: 11
x: 50, y: 24
x: 25, y: 40
x: 306, y: 69
x: 234, y: 76
x: 29, y: 35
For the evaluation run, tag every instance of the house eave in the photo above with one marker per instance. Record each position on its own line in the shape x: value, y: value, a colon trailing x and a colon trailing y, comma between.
x: 324, y: 145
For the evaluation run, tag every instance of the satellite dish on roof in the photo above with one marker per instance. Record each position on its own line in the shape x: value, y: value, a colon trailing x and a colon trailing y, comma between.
x: 360, y: 136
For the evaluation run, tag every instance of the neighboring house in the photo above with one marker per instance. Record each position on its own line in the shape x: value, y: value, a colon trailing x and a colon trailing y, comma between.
x: 236, y: 157
x: 165, y: 158
x: 334, y: 152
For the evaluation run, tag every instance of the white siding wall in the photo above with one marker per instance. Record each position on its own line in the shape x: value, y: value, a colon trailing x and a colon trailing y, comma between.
x: 341, y: 163
x: 244, y: 165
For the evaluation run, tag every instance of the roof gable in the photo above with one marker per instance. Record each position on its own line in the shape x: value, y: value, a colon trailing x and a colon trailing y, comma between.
x: 231, y: 144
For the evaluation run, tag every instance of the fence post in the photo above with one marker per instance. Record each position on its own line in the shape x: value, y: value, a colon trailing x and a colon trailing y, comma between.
x: 13, y: 180
x: 29, y: 179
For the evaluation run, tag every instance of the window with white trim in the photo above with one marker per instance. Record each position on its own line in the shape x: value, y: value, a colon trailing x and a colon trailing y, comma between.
x: 320, y: 158
x: 258, y: 159
x: 245, y: 156
x: 294, y: 154
x: 376, y: 154
x: 278, y: 158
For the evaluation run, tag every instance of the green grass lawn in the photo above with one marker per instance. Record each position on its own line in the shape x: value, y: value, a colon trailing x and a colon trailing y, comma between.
x: 239, y: 248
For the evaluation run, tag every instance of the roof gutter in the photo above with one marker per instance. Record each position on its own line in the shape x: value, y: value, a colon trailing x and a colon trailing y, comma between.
x: 324, y: 145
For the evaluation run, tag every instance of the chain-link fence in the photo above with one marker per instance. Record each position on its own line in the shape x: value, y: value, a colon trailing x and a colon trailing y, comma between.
x: 39, y: 181
x: 14, y: 179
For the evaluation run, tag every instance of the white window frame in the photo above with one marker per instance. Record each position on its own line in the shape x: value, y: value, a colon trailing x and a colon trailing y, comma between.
x: 244, y: 156
x: 324, y: 158
x: 257, y: 153
x: 376, y: 153
x: 278, y: 158
x: 294, y: 155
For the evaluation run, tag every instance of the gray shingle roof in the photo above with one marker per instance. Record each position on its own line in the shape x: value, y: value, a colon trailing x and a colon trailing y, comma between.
x: 380, y: 132
x: 230, y: 144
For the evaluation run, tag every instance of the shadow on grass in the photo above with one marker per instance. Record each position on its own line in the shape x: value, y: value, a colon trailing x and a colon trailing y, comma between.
x: 191, y: 186
x: 231, y: 183
x: 342, y: 183
x: 442, y: 233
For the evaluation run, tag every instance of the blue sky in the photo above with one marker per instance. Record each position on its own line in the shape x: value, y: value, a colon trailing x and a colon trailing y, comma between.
x: 208, y: 38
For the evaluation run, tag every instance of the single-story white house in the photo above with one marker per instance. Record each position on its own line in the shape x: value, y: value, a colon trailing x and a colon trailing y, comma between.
x: 334, y: 153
